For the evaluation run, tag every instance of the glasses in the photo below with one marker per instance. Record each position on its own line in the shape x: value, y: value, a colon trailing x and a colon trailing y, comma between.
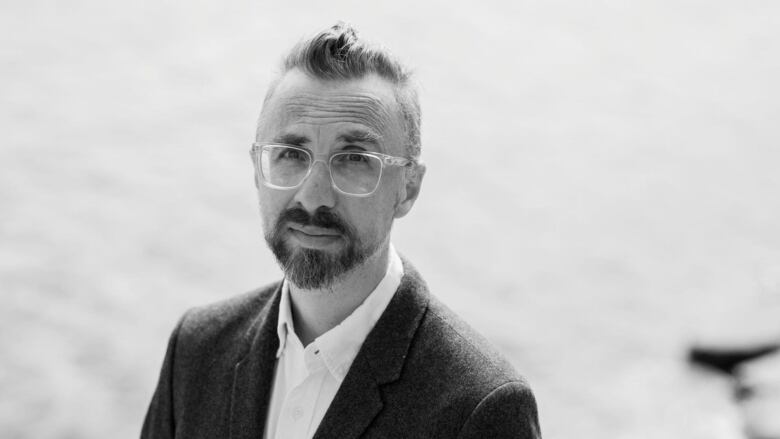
x: 351, y: 172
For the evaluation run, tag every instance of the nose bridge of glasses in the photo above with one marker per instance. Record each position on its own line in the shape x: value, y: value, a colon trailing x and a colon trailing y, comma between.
x: 319, y: 158
x: 313, y: 157
x: 325, y: 171
x: 325, y: 164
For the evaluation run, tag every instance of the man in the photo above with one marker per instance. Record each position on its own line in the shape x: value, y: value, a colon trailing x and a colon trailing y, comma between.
x: 350, y: 344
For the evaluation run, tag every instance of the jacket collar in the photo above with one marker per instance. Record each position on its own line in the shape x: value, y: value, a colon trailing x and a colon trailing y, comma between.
x: 253, y: 373
x: 339, y: 346
x: 379, y: 361
x: 358, y: 400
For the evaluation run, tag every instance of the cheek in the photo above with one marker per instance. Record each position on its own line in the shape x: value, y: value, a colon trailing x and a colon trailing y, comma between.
x: 271, y: 205
x: 371, y: 217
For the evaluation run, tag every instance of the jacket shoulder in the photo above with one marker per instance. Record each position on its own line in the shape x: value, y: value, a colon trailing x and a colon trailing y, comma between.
x: 454, y: 343
x: 455, y: 383
x: 222, y: 323
x: 509, y: 411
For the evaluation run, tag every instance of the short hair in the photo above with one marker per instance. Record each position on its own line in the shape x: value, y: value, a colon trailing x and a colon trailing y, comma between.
x: 338, y: 53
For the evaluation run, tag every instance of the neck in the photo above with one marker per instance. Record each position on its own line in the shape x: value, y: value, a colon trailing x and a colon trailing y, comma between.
x: 317, y: 311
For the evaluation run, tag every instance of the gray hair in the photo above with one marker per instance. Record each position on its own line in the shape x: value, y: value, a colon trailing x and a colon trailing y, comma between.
x: 338, y: 53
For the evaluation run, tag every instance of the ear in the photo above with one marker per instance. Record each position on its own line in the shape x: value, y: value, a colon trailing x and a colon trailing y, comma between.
x: 411, y: 189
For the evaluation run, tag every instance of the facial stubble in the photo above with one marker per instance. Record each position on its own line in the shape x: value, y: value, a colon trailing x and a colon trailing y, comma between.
x: 311, y: 268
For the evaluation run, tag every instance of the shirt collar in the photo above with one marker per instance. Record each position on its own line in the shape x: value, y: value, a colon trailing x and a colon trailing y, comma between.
x: 339, y: 346
x: 285, y: 319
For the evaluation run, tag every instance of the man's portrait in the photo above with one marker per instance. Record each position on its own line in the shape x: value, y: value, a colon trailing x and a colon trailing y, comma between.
x: 389, y: 219
x: 350, y: 343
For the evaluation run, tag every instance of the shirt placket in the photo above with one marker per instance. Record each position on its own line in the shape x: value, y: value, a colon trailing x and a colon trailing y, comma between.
x: 299, y: 407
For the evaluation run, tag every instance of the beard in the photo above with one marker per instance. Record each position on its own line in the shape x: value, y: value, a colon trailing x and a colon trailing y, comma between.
x: 316, y: 269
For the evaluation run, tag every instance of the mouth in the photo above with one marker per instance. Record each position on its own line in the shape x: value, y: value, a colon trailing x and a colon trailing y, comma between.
x: 314, y: 237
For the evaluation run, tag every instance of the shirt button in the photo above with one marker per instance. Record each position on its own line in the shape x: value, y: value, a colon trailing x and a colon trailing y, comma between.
x: 297, y: 413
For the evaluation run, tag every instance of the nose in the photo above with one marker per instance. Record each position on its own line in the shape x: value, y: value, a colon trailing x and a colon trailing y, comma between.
x: 316, y: 189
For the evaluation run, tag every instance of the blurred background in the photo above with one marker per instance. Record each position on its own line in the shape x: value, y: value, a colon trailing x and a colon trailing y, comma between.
x: 602, y: 194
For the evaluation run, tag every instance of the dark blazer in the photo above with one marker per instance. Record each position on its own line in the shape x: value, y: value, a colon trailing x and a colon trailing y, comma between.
x: 421, y: 373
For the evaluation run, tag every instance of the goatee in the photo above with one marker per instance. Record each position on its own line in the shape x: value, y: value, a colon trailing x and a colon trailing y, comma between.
x: 310, y: 268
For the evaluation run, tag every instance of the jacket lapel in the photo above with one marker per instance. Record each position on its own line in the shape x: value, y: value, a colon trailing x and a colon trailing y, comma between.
x: 253, y: 374
x: 379, y: 361
x: 355, y: 405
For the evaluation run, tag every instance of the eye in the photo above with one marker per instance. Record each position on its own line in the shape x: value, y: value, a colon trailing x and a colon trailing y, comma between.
x: 352, y: 159
x: 292, y: 154
x: 357, y: 158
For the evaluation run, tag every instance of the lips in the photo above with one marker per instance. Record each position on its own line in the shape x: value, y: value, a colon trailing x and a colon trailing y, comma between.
x: 314, y: 231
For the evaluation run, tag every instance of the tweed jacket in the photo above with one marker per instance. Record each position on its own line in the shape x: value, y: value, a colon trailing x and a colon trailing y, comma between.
x: 421, y: 373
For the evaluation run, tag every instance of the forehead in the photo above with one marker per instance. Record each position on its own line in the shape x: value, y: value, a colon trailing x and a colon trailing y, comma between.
x: 301, y: 103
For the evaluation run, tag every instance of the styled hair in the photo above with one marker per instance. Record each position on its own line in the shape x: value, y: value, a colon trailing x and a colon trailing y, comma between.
x: 338, y: 53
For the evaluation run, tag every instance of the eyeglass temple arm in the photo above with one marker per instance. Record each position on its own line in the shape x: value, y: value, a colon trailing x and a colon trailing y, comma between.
x: 395, y: 161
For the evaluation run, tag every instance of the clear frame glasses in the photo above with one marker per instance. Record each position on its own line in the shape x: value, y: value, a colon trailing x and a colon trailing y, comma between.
x: 354, y: 173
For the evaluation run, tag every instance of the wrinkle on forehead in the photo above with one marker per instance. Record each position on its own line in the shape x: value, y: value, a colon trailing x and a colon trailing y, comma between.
x: 361, y: 108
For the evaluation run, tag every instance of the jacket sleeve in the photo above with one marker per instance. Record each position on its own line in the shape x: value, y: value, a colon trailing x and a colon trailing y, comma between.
x: 159, y: 422
x: 509, y: 411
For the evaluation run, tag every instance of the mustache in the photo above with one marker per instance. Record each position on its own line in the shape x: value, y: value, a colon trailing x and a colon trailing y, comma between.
x: 322, y: 217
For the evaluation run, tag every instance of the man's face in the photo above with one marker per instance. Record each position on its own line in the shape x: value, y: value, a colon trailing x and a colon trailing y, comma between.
x: 316, y: 232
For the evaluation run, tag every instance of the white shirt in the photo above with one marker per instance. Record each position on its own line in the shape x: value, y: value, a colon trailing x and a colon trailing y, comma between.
x: 307, y: 379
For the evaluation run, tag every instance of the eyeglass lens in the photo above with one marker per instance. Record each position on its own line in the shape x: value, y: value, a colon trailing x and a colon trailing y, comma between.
x: 352, y: 172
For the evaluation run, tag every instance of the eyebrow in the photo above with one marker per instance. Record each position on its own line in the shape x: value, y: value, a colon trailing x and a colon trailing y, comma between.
x: 352, y: 136
x: 360, y: 136
x: 291, y: 139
